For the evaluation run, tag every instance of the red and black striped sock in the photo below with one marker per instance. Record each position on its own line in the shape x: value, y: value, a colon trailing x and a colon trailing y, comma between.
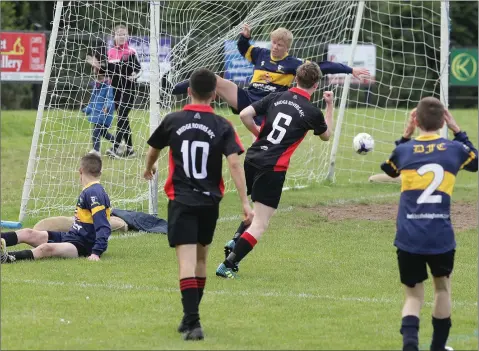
x: 189, y: 298
x: 201, y: 281
x: 244, y: 245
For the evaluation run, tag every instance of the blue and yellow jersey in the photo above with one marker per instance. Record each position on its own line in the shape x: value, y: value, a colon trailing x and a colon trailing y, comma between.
x: 428, y: 166
x: 270, y: 75
x: 92, y: 215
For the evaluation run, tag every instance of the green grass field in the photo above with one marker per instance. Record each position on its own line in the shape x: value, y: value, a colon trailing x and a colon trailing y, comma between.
x: 321, y: 278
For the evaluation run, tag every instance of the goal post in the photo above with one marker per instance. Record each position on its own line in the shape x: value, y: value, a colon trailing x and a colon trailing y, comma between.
x: 173, y: 38
x: 155, y: 85
x: 344, y: 95
x: 32, y: 159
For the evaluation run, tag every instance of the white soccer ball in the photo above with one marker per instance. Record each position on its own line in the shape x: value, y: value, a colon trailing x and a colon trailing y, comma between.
x: 363, y: 143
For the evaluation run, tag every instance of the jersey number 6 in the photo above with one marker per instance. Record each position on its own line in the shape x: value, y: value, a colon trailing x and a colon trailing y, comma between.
x: 277, y: 128
x: 185, y: 150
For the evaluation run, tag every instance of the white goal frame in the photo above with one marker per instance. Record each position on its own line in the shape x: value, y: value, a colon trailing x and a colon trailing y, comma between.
x: 155, y: 82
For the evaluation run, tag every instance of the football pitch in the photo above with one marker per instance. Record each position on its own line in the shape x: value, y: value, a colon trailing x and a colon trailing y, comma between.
x: 324, y: 276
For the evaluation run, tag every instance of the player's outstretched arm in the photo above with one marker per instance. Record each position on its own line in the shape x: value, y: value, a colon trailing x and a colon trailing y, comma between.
x: 151, y: 157
x: 329, y: 99
x: 103, y: 232
x: 246, y: 116
x: 328, y: 67
x: 243, y: 41
x: 237, y: 173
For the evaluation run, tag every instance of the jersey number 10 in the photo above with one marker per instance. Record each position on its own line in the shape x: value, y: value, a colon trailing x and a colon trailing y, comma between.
x: 190, y: 153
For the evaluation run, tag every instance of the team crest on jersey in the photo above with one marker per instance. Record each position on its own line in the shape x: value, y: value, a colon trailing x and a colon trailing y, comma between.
x: 266, y: 77
x: 262, y: 63
x: 466, y: 147
x: 280, y: 68
x: 197, y: 116
x: 94, y: 201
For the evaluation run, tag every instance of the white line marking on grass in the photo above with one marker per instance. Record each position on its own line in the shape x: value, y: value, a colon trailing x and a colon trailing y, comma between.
x: 126, y: 287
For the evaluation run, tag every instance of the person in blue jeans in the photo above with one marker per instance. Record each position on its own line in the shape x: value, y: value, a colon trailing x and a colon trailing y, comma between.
x: 100, y: 111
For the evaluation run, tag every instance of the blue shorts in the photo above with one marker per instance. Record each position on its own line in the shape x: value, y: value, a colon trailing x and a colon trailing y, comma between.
x: 244, y: 100
x: 61, y: 237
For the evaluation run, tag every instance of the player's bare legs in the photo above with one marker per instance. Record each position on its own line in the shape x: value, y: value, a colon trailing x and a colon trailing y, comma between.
x: 228, y: 91
x: 247, y: 241
x: 410, y: 313
x: 441, y: 312
x: 64, y: 250
x: 64, y: 223
x: 45, y: 250
x: 187, y: 261
x: 26, y: 236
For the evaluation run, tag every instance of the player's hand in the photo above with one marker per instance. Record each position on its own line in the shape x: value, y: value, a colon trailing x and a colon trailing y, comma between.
x: 93, y: 61
x: 132, y: 77
x: 360, y: 71
x: 149, y: 173
x: 451, y: 122
x: 93, y: 257
x: 410, y: 125
x: 246, y: 30
x: 328, y: 97
x: 248, y: 214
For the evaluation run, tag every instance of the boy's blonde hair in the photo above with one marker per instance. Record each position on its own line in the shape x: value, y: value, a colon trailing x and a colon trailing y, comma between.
x: 284, y: 35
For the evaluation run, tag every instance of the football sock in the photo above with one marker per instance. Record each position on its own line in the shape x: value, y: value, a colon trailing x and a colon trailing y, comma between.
x: 201, y: 281
x: 189, y: 298
x: 181, y: 87
x: 22, y: 255
x: 239, y: 232
x: 245, y: 244
x: 11, y: 238
x: 441, y: 333
x: 410, y: 331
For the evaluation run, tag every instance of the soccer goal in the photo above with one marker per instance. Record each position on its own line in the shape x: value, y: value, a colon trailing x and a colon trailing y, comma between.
x: 404, y: 43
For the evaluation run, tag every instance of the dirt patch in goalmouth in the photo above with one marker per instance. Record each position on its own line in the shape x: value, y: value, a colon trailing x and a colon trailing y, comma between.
x: 464, y: 215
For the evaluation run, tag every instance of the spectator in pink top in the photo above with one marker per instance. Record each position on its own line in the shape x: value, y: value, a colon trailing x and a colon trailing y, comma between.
x: 123, y: 68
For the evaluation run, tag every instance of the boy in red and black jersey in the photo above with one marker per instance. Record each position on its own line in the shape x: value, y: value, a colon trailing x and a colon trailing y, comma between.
x: 198, y: 139
x: 289, y: 116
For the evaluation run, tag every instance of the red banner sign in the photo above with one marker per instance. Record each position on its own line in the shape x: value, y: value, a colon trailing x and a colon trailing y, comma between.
x: 22, y: 56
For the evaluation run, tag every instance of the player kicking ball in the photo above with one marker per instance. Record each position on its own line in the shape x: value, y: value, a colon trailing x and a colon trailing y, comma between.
x: 289, y: 116
x: 428, y: 166
x: 89, y: 233
x: 198, y: 139
x: 274, y: 71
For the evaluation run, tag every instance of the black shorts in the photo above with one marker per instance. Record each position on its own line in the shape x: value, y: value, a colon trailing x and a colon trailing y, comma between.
x: 59, y: 237
x: 264, y: 187
x: 244, y: 100
x: 191, y: 224
x: 413, y: 267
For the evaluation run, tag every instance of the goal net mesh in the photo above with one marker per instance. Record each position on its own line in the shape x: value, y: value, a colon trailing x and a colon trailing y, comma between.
x: 404, y: 36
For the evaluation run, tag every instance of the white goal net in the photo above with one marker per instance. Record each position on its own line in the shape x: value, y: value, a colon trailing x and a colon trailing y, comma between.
x: 404, y: 38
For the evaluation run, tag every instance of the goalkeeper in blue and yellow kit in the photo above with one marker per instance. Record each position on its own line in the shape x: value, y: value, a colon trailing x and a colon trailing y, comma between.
x: 88, y: 236
x: 428, y: 166
x: 274, y: 71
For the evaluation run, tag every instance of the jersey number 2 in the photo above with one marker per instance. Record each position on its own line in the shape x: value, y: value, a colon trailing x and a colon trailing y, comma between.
x: 277, y: 128
x: 426, y: 197
x: 185, y: 150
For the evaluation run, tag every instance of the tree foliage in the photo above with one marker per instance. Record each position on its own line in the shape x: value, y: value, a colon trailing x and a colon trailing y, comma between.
x: 398, y: 81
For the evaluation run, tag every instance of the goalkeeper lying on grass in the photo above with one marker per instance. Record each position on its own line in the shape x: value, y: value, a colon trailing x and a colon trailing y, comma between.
x: 88, y: 235
x: 274, y: 71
